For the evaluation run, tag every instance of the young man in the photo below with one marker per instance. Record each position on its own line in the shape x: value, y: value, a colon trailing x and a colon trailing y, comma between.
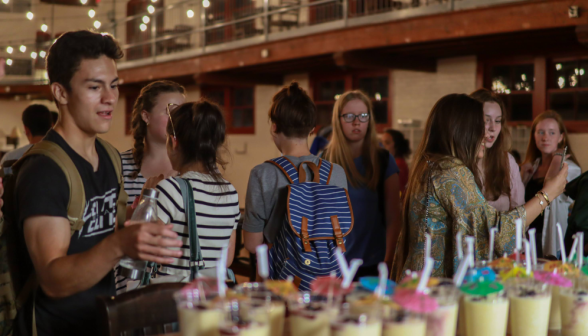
x: 73, y: 270
x: 293, y: 118
x: 37, y: 122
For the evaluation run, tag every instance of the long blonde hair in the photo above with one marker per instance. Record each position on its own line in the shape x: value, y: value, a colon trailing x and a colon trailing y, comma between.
x: 338, y: 150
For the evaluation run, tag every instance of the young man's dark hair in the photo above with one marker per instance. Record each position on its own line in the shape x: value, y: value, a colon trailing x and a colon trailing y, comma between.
x: 293, y: 112
x: 37, y: 119
x: 66, y: 54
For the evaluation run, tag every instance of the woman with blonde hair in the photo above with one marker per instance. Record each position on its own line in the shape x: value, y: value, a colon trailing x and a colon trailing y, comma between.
x: 372, y: 177
x: 444, y: 197
x: 499, y: 172
x: 548, y: 138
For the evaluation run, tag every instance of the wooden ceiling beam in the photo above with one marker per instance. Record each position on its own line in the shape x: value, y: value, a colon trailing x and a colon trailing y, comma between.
x: 237, y: 79
x: 375, y: 60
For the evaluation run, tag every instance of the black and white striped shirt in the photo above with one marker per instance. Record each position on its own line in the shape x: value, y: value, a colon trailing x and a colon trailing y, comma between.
x: 133, y: 186
x: 217, y: 215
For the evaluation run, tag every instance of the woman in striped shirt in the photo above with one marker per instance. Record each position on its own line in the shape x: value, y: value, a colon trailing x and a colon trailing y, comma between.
x: 195, y: 140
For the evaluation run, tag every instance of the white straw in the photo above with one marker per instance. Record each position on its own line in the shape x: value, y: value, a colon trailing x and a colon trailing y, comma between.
x: 574, y: 247
x: 528, y: 256
x: 262, y: 261
x: 461, y: 271
x: 221, y: 272
x: 459, y: 245
x: 470, y: 246
x: 533, y: 245
x: 519, y: 234
x: 580, y: 249
x: 492, y: 235
x: 383, y: 270
x: 427, y: 246
x: 426, y: 275
x: 561, y: 243
x: 342, y: 262
x: 355, y: 263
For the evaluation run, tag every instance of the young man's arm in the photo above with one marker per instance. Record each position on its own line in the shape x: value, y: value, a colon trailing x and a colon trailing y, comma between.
x: 59, y: 275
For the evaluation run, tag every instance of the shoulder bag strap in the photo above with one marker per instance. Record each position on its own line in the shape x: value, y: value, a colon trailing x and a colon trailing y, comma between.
x: 190, y: 211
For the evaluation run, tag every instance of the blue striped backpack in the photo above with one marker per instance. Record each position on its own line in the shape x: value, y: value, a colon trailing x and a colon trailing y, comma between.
x: 318, y: 218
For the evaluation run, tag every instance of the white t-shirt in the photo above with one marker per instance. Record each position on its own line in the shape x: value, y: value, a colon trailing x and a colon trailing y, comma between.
x: 217, y: 215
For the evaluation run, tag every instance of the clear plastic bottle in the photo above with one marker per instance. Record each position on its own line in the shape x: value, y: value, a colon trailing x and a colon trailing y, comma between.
x: 146, y: 212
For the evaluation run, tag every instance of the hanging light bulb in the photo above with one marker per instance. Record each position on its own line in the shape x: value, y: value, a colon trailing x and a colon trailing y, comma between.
x: 42, y: 54
x: 34, y: 55
x: 5, y: 2
x: 22, y: 48
x: 84, y: 2
x: 150, y: 9
x: 9, y: 61
x: 30, y: 15
x: 190, y: 13
x: 154, y: 1
x: 91, y: 13
x: 206, y: 3
x: 97, y: 24
x: 44, y: 28
x: 143, y: 27
x: 146, y: 19
x: 9, y: 49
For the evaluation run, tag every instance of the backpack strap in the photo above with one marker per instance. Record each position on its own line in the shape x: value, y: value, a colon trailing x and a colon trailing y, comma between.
x: 190, y: 211
x: 121, y: 203
x: 287, y: 167
x: 77, y: 195
x: 325, y: 171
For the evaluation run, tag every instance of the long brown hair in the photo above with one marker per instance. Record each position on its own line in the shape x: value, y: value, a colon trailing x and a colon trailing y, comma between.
x: 533, y: 152
x: 338, y: 150
x: 145, y: 102
x: 496, y: 164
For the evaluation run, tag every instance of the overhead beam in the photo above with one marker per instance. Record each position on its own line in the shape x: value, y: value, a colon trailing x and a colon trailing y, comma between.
x: 378, y: 60
x: 499, y: 19
x: 212, y: 78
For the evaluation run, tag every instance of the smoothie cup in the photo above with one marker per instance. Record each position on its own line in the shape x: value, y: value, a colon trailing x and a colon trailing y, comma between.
x: 486, y: 314
x: 443, y: 321
x: 199, y: 313
x: 276, y: 304
x: 245, y: 318
x: 560, y: 271
x: 404, y: 323
x: 574, y: 309
x: 357, y: 325
x: 311, y: 314
x: 530, y: 302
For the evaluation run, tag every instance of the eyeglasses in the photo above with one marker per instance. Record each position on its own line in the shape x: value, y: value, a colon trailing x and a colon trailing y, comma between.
x: 170, y: 107
x: 350, y: 117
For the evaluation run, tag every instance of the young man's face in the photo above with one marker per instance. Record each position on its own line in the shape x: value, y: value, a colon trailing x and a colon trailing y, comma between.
x: 94, y: 95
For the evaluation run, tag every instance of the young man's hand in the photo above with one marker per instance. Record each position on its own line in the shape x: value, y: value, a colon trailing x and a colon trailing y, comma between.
x: 149, y: 241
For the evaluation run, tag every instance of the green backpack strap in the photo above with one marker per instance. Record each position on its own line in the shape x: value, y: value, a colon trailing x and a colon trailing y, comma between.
x: 77, y: 195
x: 121, y: 203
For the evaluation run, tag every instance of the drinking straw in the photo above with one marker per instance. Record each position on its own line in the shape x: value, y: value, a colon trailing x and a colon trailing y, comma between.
x: 355, y: 263
x: 518, y: 239
x: 580, y: 256
x: 574, y: 247
x: 422, y: 286
x: 492, y: 235
x: 427, y: 245
x: 527, y: 256
x: 262, y: 261
x: 341, y: 261
x: 561, y: 243
x: 459, y: 246
x: 461, y: 271
x: 383, y: 270
x: 533, y: 245
x: 470, y: 246
x: 221, y: 272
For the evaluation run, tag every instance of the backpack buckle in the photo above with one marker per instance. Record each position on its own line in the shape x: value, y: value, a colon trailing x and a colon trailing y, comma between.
x: 304, y: 235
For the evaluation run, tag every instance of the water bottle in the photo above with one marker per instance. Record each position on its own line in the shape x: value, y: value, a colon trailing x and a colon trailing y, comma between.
x: 146, y: 212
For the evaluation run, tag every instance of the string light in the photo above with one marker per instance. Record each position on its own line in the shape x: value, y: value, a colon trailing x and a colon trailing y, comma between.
x: 97, y: 24
x: 44, y: 28
x: 9, y: 49
x: 34, y: 55
x: 91, y: 13
x: 23, y: 48
x: 9, y: 61
x: 143, y: 27
x: 30, y: 15
x: 206, y: 3
x: 5, y: 2
x: 146, y: 19
x: 150, y: 9
x: 154, y: 1
x: 84, y: 2
x: 42, y: 54
x: 190, y: 13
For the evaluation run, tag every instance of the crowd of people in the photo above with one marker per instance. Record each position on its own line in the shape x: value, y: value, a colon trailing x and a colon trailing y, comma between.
x: 462, y: 179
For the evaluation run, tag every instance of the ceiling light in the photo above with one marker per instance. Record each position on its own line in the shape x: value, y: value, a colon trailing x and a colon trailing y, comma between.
x: 190, y: 13
x: 91, y: 13
x: 22, y: 48
x: 146, y: 19
x: 34, y: 55
x: 97, y: 24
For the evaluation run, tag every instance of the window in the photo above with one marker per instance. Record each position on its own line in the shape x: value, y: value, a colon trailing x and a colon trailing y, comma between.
x: 327, y: 90
x: 567, y: 91
x: 238, y: 107
x: 515, y: 84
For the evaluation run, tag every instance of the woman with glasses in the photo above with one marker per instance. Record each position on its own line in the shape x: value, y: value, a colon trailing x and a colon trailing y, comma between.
x: 148, y: 157
x: 372, y: 178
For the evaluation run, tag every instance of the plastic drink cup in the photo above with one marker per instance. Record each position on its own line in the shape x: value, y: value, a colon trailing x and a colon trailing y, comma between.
x: 276, y: 305
x: 530, y: 303
x: 574, y: 309
x: 486, y: 315
x: 198, y: 315
x: 403, y: 323
x: 245, y: 318
x: 311, y: 314
x: 363, y: 302
x: 357, y: 325
x: 443, y: 321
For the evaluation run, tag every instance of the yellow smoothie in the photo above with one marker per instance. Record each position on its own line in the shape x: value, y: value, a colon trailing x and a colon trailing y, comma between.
x: 406, y: 327
x: 199, y: 322
x: 311, y: 322
x: 485, y: 316
x: 369, y: 328
x: 252, y: 329
x: 555, y: 311
x: 443, y: 321
x: 529, y: 315
x: 574, y: 312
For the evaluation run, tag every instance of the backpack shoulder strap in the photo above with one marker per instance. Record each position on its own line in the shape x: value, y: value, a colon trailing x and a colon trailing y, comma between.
x: 287, y: 167
x: 190, y: 211
x: 325, y: 171
x: 77, y: 195
x: 121, y: 203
